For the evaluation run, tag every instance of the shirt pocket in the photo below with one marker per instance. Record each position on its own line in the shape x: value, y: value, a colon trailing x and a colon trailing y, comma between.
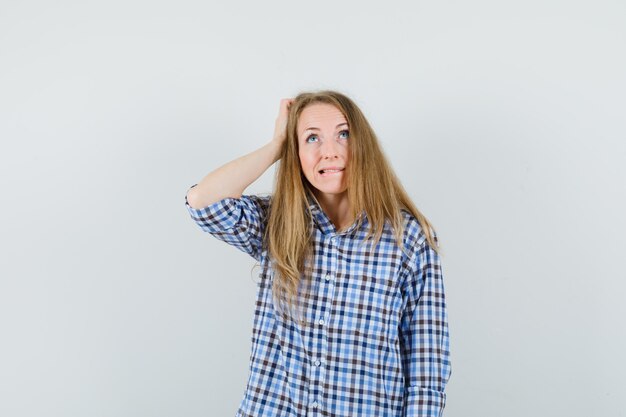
x: 372, y: 305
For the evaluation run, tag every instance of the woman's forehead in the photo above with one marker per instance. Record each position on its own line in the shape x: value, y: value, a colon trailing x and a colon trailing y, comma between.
x: 320, y: 116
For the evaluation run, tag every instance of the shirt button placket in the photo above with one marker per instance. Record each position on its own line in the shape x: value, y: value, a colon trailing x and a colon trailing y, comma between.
x: 318, y: 371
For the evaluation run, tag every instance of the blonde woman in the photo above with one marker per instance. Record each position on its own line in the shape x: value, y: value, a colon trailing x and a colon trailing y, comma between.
x: 350, y: 317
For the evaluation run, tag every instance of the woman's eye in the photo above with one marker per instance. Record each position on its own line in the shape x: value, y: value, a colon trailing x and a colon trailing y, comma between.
x: 343, y: 132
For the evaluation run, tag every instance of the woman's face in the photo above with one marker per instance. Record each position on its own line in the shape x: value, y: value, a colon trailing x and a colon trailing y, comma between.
x: 323, y: 141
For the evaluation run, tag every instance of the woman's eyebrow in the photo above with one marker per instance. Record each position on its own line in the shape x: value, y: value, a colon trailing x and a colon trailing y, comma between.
x: 317, y: 128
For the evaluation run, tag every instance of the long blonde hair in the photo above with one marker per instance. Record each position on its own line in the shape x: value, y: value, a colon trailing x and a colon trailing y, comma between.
x: 372, y: 187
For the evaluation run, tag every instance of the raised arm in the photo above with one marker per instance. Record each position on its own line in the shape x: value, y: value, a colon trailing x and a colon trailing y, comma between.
x: 217, y: 203
x: 231, y: 179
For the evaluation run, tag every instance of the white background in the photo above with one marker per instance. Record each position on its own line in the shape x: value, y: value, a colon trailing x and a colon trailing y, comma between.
x: 504, y: 120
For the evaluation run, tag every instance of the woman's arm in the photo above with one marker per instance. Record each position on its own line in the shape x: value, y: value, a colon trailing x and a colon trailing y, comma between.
x: 425, y: 341
x: 231, y: 179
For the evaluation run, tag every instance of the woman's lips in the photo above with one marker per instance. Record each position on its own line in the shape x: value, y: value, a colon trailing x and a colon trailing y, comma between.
x: 329, y: 173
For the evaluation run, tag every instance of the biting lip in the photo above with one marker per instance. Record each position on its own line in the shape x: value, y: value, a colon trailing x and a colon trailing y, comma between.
x: 321, y: 171
x: 330, y: 172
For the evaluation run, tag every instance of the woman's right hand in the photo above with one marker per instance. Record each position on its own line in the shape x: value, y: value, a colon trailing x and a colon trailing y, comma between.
x: 280, y: 127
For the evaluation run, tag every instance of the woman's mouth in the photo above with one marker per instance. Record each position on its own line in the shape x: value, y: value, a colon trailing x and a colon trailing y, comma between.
x: 329, y: 172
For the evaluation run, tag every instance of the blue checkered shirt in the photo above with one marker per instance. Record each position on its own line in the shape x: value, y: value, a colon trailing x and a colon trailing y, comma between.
x: 373, y: 340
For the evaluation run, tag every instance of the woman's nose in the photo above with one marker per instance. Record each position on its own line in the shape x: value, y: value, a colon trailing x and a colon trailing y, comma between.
x: 329, y: 149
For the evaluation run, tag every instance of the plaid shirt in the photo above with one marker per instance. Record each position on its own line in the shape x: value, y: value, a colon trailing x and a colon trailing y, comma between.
x: 374, y: 339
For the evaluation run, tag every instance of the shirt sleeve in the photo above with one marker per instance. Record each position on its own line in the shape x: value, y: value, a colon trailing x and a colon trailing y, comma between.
x: 240, y: 222
x: 424, y: 337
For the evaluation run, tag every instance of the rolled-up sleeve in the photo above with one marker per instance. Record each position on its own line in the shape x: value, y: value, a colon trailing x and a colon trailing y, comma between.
x: 425, y: 345
x: 240, y: 222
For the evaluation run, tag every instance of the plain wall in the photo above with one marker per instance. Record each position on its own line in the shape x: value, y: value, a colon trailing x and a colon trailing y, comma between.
x: 505, y: 121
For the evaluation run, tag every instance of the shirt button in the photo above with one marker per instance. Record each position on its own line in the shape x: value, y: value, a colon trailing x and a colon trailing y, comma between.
x: 314, y: 405
x: 328, y: 276
x: 318, y: 363
x: 321, y: 321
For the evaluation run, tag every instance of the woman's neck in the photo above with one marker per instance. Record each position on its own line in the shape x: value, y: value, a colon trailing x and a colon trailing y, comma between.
x: 337, y: 208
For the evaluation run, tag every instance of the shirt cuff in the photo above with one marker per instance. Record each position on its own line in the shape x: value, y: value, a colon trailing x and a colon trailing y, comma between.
x: 424, y: 402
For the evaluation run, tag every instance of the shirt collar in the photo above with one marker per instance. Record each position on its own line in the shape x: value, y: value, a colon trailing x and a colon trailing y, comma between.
x: 323, y: 222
